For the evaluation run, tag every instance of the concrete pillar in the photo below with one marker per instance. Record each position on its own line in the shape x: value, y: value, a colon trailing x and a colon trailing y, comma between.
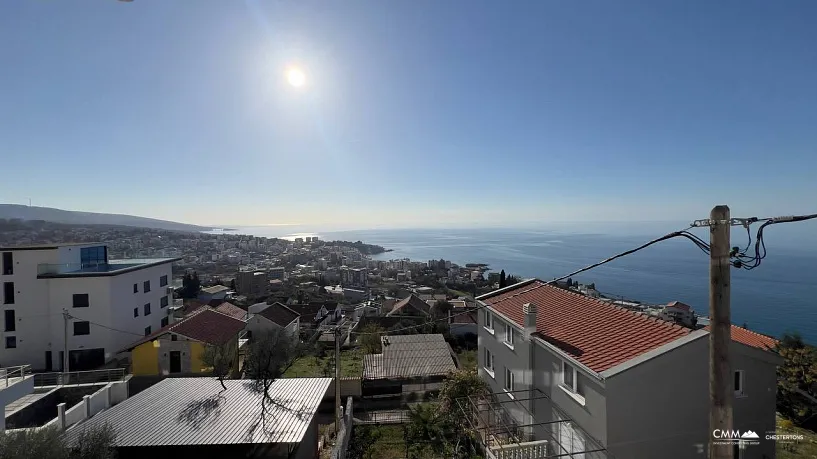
x: 61, y: 416
x: 108, y: 396
x: 87, y: 401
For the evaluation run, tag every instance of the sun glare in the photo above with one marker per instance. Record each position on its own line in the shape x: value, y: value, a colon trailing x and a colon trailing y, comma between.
x: 296, y: 77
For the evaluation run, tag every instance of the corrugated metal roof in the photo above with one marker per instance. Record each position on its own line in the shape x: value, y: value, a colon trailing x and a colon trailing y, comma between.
x: 197, y: 411
x: 406, y: 356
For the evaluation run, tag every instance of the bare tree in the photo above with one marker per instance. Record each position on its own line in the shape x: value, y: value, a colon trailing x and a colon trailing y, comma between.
x: 269, y: 355
x: 222, y: 358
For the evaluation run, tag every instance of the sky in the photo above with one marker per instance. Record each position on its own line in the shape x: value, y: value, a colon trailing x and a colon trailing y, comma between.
x: 413, y: 113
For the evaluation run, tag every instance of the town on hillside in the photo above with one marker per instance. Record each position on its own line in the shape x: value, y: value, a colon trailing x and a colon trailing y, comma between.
x: 166, y: 343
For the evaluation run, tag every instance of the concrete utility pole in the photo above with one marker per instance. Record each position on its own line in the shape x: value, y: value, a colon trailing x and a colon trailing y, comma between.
x: 65, y: 318
x: 337, y: 376
x: 720, y: 335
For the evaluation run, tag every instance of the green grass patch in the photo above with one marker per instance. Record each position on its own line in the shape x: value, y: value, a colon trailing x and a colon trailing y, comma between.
x: 468, y: 360
x: 377, y: 441
x: 795, y: 449
x: 309, y: 366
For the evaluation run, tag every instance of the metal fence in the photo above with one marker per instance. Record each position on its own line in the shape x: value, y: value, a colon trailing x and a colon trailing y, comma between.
x: 10, y: 375
x: 72, y: 378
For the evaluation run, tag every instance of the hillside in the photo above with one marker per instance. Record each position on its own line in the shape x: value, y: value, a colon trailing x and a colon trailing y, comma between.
x: 10, y: 211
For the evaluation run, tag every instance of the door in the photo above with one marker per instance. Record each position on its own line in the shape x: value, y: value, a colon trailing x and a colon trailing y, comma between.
x: 62, y: 361
x: 48, y: 363
x: 175, y: 361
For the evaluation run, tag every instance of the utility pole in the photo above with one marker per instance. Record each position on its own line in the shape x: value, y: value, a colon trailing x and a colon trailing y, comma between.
x: 338, y: 414
x: 65, y: 318
x: 720, y: 336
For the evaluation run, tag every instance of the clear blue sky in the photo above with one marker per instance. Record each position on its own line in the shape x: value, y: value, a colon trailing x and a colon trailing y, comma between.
x: 414, y: 113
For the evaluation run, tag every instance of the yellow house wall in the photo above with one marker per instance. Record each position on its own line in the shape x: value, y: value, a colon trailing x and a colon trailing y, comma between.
x: 145, y: 358
x: 196, y: 352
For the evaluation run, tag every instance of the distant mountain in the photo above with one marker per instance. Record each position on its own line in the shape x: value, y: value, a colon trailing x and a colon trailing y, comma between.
x: 9, y: 211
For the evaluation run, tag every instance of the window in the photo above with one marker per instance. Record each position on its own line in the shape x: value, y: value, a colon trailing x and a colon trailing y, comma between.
x: 147, y: 331
x: 10, y: 325
x: 163, y: 281
x: 146, y: 286
x: 8, y: 293
x: 163, y: 302
x: 147, y: 309
x: 508, y: 334
x: 489, y: 320
x: 81, y: 300
x: 509, y: 380
x: 569, y: 377
x: 135, y: 312
x: 489, y: 361
x: 174, y: 337
x: 739, y: 383
x: 11, y: 342
x: 8, y: 263
x: 82, y: 328
x: 135, y: 288
x: 93, y: 256
x: 165, y: 321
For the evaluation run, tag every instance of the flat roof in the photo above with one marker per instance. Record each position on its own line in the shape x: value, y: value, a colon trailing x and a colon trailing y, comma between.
x: 197, y: 411
x: 112, y: 268
x: 49, y: 246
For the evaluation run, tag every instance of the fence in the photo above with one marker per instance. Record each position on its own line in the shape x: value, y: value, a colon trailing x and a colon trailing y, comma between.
x: 9, y: 375
x: 525, y: 450
x: 344, y: 432
x: 79, y: 377
x: 90, y: 405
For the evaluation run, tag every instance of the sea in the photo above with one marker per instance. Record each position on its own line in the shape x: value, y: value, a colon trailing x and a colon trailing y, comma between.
x: 779, y: 296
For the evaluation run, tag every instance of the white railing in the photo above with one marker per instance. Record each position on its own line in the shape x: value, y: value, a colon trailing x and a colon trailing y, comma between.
x: 525, y: 450
x: 9, y: 375
x: 79, y: 377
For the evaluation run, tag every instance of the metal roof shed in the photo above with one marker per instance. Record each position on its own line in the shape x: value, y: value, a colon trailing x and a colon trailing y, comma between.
x: 195, y: 417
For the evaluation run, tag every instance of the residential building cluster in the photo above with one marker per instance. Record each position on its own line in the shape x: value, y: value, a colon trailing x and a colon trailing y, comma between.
x: 569, y: 370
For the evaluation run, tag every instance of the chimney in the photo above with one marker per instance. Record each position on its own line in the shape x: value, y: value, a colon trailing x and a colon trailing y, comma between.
x: 529, y: 309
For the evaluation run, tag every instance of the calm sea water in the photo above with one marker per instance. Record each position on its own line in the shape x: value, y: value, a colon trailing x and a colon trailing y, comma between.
x: 779, y: 296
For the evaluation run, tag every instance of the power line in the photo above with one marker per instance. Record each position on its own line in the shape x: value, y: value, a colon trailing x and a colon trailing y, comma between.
x: 683, y: 233
x: 105, y: 326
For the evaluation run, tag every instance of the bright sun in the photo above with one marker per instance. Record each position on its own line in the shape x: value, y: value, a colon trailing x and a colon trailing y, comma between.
x: 296, y: 77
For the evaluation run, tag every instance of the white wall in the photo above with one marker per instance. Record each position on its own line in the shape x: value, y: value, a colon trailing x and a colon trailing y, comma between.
x: 31, y: 309
x: 123, y: 300
x: 39, y: 305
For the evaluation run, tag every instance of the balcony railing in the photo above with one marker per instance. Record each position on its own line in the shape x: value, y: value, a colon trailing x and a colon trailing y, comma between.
x: 11, y: 375
x: 72, y: 378
x: 62, y: 268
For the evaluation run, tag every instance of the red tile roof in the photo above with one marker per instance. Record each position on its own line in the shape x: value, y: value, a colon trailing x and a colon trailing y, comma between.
x: 750, y: 338
x: 461, y: 317
x: 679, y: 305
x: 204, y: 324
x: 209, y: 326
x: 410, y: 305
x: 232, y: 310
x: 596, y: 333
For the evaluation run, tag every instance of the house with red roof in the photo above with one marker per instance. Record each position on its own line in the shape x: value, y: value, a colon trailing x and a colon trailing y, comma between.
x: 580, y: 376
x: 276, y: 316
x: 177, y: 348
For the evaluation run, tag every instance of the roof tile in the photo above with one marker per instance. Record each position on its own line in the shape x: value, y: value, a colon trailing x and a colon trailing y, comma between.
x: 596, y: 333
x: 750, y: 338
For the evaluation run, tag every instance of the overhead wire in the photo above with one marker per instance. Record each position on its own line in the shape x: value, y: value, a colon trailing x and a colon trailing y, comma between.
x: 682, y: 233
x: 741, y: 259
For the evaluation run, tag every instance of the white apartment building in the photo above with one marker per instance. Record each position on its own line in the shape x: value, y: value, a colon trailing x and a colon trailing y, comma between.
x: 109, y: 304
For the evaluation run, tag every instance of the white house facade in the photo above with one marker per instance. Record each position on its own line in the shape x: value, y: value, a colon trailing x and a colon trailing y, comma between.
x: 102, y: 304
